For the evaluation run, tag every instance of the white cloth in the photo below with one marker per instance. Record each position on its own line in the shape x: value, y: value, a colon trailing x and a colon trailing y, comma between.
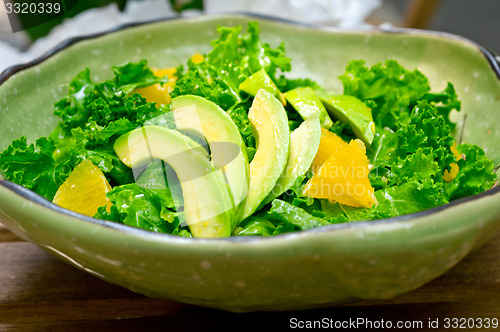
x: 343, y: 13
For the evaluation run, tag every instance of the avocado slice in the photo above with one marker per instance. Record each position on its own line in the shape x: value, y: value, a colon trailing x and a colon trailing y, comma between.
x: 208, y: 209
x: 260, y: 80
x: 198, y: 116
x: 270, y: 129
x: 353, y: 111
x: 304, y: 144
x: 307, y: 103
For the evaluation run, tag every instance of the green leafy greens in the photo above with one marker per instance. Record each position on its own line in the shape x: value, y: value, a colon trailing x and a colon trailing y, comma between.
x: 412, y: 149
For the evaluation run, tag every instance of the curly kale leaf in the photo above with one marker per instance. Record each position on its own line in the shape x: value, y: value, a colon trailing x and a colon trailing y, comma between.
x: 475, y: 173
x: 34, y: 167
x: 109, y: 101
x: 389, y: 88
x: 426, y: 130
x: 142, y: 208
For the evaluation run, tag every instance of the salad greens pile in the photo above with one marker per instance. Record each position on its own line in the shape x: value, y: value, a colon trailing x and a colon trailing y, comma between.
x: 412, y: 149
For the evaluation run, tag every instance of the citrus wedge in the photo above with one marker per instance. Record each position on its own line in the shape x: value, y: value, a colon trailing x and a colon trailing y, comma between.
x: 343, y: 176
x: 328, y: 144
x: 84, y: 191
x: 159, y: 93
x: 450, y: 175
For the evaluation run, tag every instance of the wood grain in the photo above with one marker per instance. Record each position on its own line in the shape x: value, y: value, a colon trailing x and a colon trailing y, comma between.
x: 40, y: 293
x: 7, y: 236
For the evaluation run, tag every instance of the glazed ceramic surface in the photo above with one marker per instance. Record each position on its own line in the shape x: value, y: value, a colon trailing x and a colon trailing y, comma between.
x: 320, y: 267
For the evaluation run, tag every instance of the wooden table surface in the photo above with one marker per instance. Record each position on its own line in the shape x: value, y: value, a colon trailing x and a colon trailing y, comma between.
x: 40, y: 293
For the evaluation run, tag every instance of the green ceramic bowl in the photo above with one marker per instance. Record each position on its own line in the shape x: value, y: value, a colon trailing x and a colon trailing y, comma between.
x: 320, y: 267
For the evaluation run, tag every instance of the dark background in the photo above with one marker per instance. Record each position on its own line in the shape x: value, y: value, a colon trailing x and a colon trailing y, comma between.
x: 478, y: 20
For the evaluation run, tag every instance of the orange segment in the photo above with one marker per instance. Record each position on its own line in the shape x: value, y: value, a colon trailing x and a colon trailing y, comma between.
x: 162, y: 72
x: 343, y: 176
x: 157, y: 93
x: 197, y: 58
x: 84, y: 191
x: 327, y: 146
x: 450, y: 175
x: 455, y: 152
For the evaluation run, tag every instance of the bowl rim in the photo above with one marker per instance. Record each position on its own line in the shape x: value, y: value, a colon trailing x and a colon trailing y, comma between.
x: 492, y: 58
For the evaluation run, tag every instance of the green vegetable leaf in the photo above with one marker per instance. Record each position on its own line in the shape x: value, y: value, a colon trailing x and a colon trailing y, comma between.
x: 73, y: 109
x: 141, y: 208
x: 255, y: 226
x: 428, y: 131
x: 445, y: 102
x: 203, y: 80
x: 285, y: 84
x: 89, y: 104
x: 113, y: 214
x: 155, y: 177
x: 408, y: 197
x: 33, y: 166
x: 344, y: 130
x: 239, y: 115
x: 338, y: 213
x: 105, y: 158
x: 420, y: 149
x: 294, y: 216
x: 384, y: 144
x: 411, y: 150
x: 130, y: 76
x: 475, y: 175
x: 417, y: 166
x: 390, y: 88
x: 235, y: 56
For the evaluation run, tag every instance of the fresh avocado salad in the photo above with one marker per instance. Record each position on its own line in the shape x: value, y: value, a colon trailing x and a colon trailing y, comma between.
x: 228, y: 145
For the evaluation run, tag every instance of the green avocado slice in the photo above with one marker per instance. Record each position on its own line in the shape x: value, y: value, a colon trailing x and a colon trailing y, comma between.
x: 260, y: 80
x: 270, y: 127
x: 307, y: 103
x: 304, y: 144
x: 198, y: 116
x: 208, y: 209
x: 353, y: 111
